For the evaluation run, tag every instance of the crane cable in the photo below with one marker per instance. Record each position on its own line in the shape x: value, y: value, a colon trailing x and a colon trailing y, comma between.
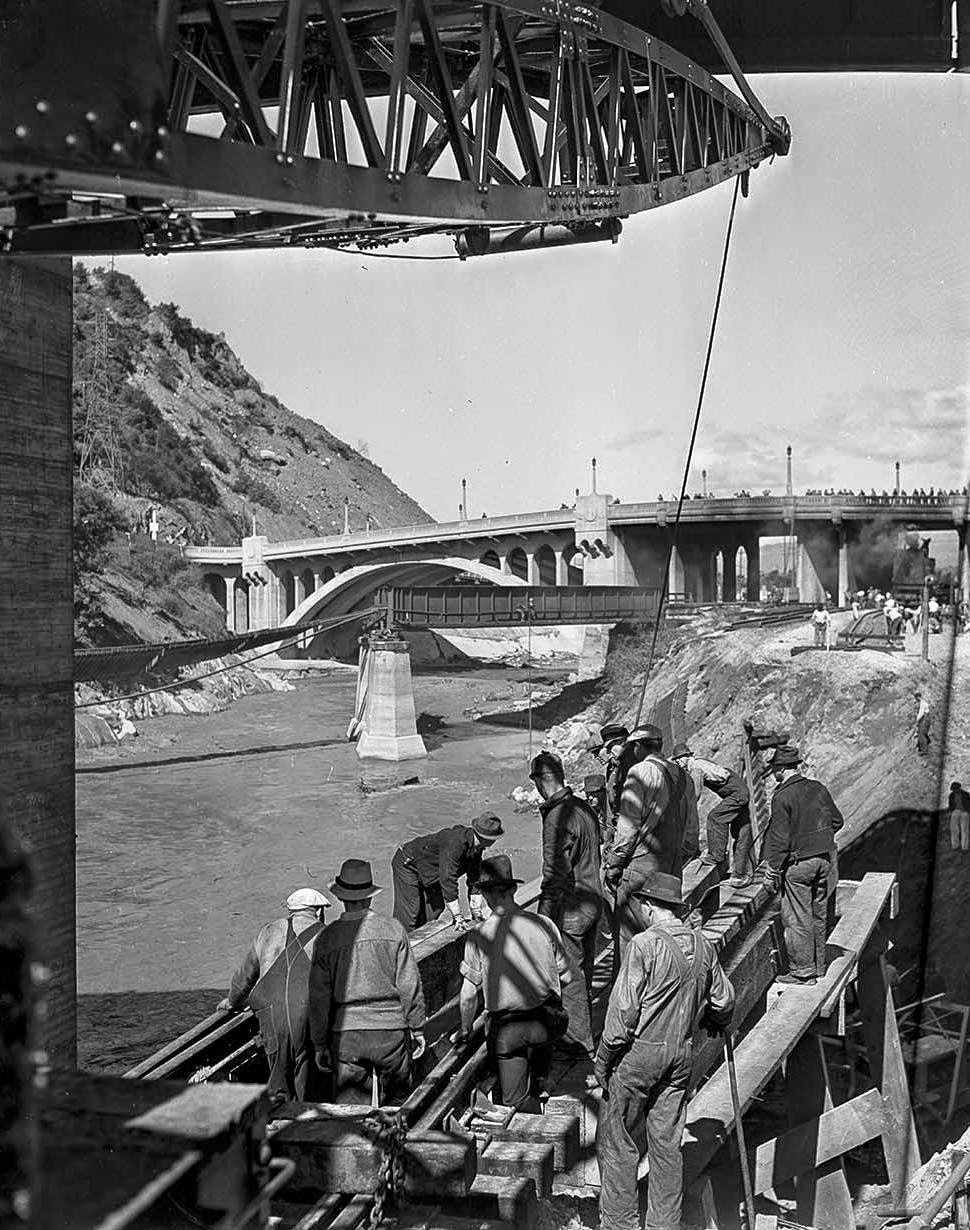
x: 672, y: 546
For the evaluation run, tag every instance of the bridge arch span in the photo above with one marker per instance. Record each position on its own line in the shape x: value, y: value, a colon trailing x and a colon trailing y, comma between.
x: 350, y: 590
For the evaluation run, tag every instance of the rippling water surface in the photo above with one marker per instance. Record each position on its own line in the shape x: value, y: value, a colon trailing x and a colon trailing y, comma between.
x: 191, y: 836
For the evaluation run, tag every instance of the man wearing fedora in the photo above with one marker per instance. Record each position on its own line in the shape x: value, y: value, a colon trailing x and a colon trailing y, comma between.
x: 731, y: 815
x: 610, y: 749
x: 366, y: 1002
x: 650, y: 830
x: 516, y: 962
x: 799, y: 853
x: 274, y: 981
x: 571, y: 892
x: 670, y: 982
x: 426, y: 870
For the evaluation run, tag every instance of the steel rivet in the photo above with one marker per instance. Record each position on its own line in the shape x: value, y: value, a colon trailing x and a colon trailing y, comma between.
x: 134, y: 126
x: 91, y: 117
x: 289, y: 160
x: 161, y: 132
x: 21, y: 132
x: 279, y: 159
x: 42, y: 107
x: 159, y: 155
x: 117, y: 147
x: 70, y: 140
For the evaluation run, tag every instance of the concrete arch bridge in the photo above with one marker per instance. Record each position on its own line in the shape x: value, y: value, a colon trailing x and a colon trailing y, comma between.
x: 839, y: 542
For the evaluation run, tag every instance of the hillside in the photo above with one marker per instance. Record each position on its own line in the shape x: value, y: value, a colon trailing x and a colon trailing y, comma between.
x: 166, y: 415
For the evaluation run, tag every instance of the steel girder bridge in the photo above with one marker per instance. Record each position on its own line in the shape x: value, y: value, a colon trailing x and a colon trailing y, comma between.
x: 155, y: 127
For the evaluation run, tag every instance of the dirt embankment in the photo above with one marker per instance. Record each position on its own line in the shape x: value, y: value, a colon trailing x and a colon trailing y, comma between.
x: 853, y: 715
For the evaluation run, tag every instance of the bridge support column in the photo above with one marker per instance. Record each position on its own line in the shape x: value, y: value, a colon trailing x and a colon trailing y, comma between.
x: 263, y: 591
x: 532, y: 568
x: 753, y: 552
x: 810, y: 588
x: 230, y: 604
x: 562, y: 567
x: 389, y: 726
x: 676, y: 574
x: 729, y: 582
x: 963, y: 562
x: 846, y: 572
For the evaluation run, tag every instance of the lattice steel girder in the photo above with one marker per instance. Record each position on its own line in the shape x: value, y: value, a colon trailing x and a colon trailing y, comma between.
x: 427, y: 116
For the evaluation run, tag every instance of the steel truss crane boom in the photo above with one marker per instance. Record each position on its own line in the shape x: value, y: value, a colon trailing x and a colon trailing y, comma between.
x: 130, y: 126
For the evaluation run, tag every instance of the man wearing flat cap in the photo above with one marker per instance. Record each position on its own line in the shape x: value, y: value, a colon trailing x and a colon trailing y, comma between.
x: 670, y: 982
x: 516, y: 964
x: 274, y: 981
x: 650, y: 829
x: 799, y: 853
x: 367, y: 1011
x: 570, y: 892
x: 611, y: 748
x: 426, y: 870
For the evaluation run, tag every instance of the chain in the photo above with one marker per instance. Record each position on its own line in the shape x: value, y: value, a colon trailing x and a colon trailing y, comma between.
x: 391, y: 1135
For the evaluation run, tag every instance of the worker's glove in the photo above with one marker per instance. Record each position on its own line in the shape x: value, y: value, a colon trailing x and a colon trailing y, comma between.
x: 612, y: 877
x: 418, y: 1043
x: 323, y: 1058
x: 772, y: 879
x: 476, y: 903
x: 459, y: 1038
x: 711, y: 1027
x: 457, y: 917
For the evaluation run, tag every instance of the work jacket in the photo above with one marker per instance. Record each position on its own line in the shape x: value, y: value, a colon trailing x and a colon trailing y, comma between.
x: 570, y: 894
x: 267, y: 946
x: 444, y: 857
x: 804, y: 821
x: 364, y: 976
x: 669, y: 980
x: 654, y: 814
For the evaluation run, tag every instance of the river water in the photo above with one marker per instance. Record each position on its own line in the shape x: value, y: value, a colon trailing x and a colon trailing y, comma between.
x: 191, y: 836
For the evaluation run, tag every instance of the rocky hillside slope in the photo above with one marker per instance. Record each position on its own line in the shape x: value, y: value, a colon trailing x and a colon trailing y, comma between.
x: 167, y: 415
x: 852, y: 714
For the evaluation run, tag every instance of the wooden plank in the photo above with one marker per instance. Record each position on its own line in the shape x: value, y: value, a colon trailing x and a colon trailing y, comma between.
x: 341, y: 1156
x: 822, y: 1192
x: 561, y: 1131
x: 203, y: 1112
x: 900, y: 1144
x: 525, y: 1159
x: 853, y: 929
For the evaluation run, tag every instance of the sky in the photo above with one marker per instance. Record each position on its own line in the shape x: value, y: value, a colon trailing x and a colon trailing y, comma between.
x: 843, y: 330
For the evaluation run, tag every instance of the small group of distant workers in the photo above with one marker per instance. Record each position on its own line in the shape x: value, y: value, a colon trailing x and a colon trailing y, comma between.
x: 341, y: 1007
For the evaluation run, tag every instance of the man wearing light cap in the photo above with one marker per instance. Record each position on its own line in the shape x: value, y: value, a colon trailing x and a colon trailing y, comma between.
x: 670, y: 982
x: 654, y: 813
x: 274, y: 981
x: 426, y: 871
x: 731, y: 815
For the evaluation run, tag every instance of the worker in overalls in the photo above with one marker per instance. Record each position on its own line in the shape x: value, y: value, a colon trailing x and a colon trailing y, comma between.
x: 731, y: 815
x: 650, y: 830
x: 274, y: 981
x: 670, y: 982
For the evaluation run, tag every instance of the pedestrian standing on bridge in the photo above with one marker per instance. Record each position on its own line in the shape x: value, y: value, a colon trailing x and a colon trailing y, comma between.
x: 426, y: 871
x: 367, y: 1011
x: 571, y: 891
x: 650, y: 830
x: 730, y: 816
x: 799, y: 854
x: 670, y: 983
x: 515, y: 961
x: 274, y: 981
